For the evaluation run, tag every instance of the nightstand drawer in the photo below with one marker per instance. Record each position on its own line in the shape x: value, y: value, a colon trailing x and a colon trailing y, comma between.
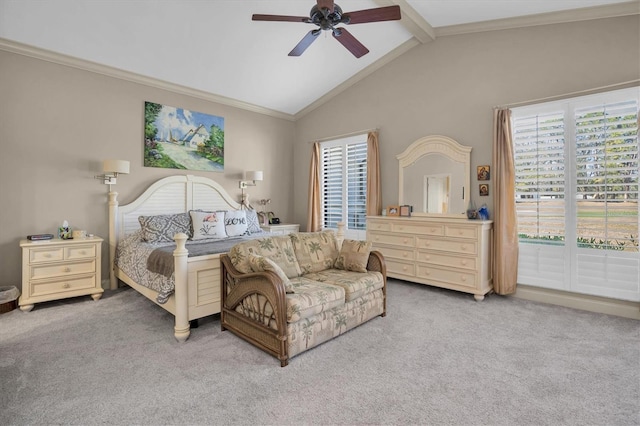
x: 46, y: 254
x: 62, y: 269
x: 80, y: 252
x: 44, y: 288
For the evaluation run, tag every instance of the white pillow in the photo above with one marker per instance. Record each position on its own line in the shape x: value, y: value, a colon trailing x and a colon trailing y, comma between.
x: 235, y: 222
x: 207, y: 225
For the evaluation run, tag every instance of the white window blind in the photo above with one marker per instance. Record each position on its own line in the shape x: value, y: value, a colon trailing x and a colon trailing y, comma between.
x: 577, y: 194
x: 344, y: 183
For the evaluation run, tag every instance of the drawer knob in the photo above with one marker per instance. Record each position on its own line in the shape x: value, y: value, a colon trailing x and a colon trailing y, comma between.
x: 83, y: 252
x: 427, y: 257
x: 463, y: 278
x: 67, y: 269
x: 464, y: 262
x: 66, y: 285
x: 463, y: 247
x: 405, y: 241
x: 405, y: 254
x: 47, y: 255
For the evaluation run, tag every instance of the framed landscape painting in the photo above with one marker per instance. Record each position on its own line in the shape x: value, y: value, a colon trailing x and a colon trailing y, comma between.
x: 176, y: 138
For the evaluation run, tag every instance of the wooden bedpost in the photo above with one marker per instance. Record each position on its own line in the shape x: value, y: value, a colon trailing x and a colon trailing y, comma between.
x: 113, y: 237
x: 180, y: 255
x: 340, y: 234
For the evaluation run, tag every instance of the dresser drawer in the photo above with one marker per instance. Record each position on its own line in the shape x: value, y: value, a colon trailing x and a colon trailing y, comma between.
x: 80, y: 252
x: 397, y: 253
x: 402, y: 268
x: 447, y: 260
x: 48, y: 254
x: 378, y: 226
x: 418, y: 228
x: 62, y: 269
x: 464, y: 247
x: 461, y: 231
x: 44, y: 288
x: 451, y: 276
x: 392, y: 239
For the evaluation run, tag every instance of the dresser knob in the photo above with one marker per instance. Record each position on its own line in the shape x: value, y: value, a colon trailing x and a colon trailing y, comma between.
x: 463, y: 247
x: 47, y: 255
x: 464, y: 263
x: 66, y: 285
x: 67, y: 269
x: 83, y: 252
x: 405, y: 254
x: 427, y: 257
x: 404, y: 268
x: 405, y: 241
x: 463, y: 278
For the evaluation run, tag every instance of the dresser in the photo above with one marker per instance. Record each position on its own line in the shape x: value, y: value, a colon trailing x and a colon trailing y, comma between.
x: 444, y: 252
x: 281, y: 228
x: 58, y: 269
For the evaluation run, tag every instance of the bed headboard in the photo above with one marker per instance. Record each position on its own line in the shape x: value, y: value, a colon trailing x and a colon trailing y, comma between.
x: 173, y: 194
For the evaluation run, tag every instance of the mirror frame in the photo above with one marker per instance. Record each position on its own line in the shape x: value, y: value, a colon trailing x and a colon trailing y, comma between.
x: 432, y: 145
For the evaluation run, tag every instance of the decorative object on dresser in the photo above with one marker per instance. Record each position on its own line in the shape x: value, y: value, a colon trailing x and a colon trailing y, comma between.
x: 57, y: 269
x: 393, y: 210
x: 439, y: 251
x: 282, y: 228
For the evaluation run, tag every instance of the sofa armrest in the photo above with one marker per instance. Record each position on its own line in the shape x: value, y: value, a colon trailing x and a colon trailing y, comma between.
x: 376, y: 263
x: 262, y: 317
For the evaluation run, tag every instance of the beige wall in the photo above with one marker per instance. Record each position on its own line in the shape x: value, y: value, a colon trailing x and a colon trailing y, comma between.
x: 58, y: 123
x: 451, y: 85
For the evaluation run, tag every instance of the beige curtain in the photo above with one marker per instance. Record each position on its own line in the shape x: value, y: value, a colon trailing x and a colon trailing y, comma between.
x: 505, y: 229
x: 314, y: 209
x: 374, y: 191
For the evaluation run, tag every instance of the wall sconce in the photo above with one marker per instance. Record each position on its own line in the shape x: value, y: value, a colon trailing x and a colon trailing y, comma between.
x: 250, y: 179
x: 111, y: 169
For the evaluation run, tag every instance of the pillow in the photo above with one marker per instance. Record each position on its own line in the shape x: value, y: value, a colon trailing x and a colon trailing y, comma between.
x: 353, y: 256
x: 235, y: 223
x: 260, y: 264
x: 253, y: 225
x: 162, y: 228
x: 207, y: 225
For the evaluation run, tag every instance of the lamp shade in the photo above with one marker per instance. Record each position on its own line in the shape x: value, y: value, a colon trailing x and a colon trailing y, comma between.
x: 115, y: 166
x: 257, y: 175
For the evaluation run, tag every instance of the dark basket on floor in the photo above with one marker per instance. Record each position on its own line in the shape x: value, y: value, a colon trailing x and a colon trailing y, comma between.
x: 8, y: 299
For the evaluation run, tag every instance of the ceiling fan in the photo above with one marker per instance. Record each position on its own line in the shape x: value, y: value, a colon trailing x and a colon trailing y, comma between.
x: 326, y: 15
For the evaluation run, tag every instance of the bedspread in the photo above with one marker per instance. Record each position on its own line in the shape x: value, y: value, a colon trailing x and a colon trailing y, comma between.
x: 133, y: 256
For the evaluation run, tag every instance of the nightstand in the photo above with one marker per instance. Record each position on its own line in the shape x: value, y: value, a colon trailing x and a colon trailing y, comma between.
x: 282, y: 228
x: 57, y: 269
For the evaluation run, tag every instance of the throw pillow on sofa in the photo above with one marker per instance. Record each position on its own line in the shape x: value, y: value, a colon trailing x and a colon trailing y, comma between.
x: 354, y: 256
x: 315, y: 251
x: 260, y: 264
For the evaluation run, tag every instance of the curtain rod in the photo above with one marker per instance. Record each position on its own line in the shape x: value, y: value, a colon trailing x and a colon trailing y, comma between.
x: 623, y: 85
x: 346, y: 135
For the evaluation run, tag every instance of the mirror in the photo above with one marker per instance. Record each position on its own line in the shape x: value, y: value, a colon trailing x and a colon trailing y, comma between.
x: 435, y: 177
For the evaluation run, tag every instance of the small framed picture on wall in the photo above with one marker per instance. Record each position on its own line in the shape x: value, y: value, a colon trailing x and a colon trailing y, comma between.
x: 484, y: 189
x: 484, y: 172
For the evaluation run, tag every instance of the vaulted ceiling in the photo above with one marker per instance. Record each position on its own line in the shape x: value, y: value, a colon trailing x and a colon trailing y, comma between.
x: 213, y: 46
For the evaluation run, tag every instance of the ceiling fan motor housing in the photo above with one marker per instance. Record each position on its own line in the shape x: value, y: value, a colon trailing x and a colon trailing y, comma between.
x: 326, y: 19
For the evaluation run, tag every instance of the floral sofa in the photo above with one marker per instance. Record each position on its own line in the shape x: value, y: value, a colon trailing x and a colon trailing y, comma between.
x: 286, y: 294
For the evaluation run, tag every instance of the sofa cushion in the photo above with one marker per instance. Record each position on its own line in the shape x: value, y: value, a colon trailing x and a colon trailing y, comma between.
x: 353, y: 256
x: 315, y: 251
x: 311, y: 297
x: 260, y: 264
x: 355, y: 284
x: 277, y: 248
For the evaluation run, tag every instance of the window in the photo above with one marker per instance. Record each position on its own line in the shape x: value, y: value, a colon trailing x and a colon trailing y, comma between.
x: 343, y: 174
x: 577, y: 191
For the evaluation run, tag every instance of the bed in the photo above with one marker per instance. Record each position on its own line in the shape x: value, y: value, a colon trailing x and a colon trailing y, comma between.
x: 196, y: 278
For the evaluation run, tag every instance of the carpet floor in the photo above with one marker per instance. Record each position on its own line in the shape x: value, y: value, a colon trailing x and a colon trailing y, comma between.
x: 437, y: 358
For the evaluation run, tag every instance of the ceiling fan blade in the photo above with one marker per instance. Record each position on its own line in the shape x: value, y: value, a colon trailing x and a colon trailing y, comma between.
x: 389, y: 13
x: 285, y: 18
x: 350, y: 42
x: 325, y: 3
x: 304, y: 43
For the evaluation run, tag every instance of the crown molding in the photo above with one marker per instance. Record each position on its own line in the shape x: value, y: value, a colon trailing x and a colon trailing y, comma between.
x: 560, y: 17
x: 82, y: 64
x: 400, y: 50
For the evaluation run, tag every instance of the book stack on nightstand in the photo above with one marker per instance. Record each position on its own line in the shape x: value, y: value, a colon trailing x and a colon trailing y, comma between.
x: 56, y: 269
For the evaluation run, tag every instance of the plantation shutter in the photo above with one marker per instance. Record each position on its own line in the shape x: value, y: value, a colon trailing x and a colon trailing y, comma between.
x: 356, y: 186
x: 539, y: 145
x: 332, y: 169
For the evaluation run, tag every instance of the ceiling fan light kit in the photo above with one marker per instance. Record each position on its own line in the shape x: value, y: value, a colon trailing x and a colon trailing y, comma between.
x: 325, y: 14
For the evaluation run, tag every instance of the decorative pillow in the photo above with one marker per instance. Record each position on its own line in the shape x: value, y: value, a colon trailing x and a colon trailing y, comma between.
x: 253, y: 225
x: 207, y: 225
x: 354, y: 255
x: 315, y: 251
x: 161, y: 228
x: 260, y: 263
x: 277, y: 248
x: 235, y: 222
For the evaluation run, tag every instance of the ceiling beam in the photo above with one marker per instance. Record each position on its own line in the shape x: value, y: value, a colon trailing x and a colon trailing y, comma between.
x: 412, y: 20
